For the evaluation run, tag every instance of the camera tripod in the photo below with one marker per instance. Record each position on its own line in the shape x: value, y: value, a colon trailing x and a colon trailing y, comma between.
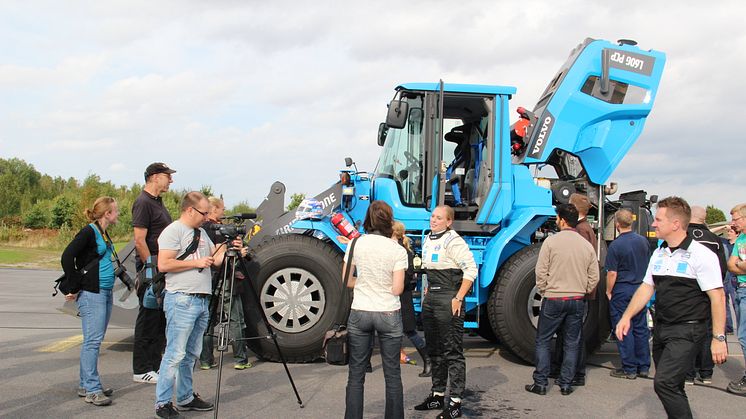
x: 220, y: 317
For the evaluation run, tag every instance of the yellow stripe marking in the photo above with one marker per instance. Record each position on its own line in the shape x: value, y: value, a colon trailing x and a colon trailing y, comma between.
x: 62, y: 345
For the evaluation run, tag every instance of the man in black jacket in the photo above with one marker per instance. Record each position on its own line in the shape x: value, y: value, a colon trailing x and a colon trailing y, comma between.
x: 699, y: 231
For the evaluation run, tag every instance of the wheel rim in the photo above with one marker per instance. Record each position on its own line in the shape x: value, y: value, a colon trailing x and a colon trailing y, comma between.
x: 293, y: 300
x: 533, y: 306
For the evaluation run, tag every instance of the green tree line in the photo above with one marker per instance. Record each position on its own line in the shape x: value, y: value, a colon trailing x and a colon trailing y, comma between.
x: 30, y: 199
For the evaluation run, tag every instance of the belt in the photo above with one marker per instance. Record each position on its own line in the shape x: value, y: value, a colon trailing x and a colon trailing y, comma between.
x: 742, y: 285
x: 198, y: 295
x: 684, y: 322
x: 577, y: 297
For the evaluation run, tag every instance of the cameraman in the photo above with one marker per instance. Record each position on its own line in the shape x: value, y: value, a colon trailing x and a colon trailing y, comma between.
x: 237, y: 325
x: 188, y: 288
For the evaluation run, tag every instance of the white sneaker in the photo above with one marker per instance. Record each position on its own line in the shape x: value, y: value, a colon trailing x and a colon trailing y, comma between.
x: 149, y: 377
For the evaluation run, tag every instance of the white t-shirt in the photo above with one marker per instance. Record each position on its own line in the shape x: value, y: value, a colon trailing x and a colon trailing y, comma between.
x: 178, y: 236
x: 376, y: 258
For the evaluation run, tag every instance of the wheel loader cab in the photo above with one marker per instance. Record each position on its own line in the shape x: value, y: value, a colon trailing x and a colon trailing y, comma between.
x: 451, y: 129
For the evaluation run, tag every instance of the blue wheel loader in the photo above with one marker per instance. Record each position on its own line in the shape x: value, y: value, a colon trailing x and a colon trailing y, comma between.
x: 453, y: 144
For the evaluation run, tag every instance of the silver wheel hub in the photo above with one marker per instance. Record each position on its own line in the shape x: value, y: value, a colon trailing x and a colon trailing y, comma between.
x: 293, y: 300
x: 533, y: 306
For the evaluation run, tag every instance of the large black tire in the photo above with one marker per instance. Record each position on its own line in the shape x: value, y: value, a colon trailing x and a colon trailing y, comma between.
x: 298, y: 279
x: 485, y: 330
x: 514, y: 304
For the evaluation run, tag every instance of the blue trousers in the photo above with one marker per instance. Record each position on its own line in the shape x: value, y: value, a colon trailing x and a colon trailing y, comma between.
x: 95, y: 312
x: 634, y: 349
x: 557, y: 315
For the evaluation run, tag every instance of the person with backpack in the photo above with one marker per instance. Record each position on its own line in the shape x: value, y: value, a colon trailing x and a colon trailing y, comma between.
x: 87, y: 262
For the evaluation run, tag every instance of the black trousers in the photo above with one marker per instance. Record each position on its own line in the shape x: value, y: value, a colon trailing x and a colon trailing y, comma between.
x: 150, y: 339
x: 674, y: 348
x: 444, y: 336
x: 703, y: 363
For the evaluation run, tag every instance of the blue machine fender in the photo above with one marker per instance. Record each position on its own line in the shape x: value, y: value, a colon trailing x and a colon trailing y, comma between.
x: 514, y: 236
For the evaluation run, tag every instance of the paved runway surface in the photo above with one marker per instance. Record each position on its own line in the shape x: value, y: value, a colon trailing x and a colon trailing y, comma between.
x: 39, y: 353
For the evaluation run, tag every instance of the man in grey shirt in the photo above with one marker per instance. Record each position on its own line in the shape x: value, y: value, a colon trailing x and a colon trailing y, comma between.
x: 186, y: 304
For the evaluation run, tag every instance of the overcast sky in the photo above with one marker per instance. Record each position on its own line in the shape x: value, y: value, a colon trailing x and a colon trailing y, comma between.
x: 238, y: 94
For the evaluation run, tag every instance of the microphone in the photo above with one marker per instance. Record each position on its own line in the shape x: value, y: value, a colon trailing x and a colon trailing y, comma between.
x: 241, y: 216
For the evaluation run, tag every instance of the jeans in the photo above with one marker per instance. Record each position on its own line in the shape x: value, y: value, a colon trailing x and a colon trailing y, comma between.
x: 95, y: 312
x: 730, y: 300
x: 559, y: 353
x: 186, y: 321
x: 674, y: 348
x: 360, y: 329
x: 565, y: 315
x: 634, y: 349
x: 741, y: 315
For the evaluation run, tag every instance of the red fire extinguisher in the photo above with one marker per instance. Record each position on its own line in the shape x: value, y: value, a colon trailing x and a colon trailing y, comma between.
x: 344, y: 227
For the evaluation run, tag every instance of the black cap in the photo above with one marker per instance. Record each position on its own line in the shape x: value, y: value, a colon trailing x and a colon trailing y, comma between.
x: 156, y: 168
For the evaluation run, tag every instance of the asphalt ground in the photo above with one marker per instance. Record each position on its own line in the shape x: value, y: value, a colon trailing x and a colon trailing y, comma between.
x: 40, y: 345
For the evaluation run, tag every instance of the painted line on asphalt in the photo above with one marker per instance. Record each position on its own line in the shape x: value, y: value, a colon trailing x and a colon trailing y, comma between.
x: 62, y: 345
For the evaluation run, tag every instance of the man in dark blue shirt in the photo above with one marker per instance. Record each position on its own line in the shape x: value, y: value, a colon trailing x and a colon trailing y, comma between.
x: 626, y: 263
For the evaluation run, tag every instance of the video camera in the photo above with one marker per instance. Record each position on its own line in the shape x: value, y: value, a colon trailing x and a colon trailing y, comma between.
x: 232, y: 231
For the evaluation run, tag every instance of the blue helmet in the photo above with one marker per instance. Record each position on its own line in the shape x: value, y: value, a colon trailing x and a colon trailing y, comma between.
x: 309, y: 209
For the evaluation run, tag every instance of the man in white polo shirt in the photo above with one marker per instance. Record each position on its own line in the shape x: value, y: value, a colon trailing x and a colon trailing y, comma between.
x: 689, y: 292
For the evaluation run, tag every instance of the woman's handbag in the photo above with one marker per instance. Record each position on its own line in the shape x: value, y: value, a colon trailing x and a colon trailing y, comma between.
x: 335, y: 340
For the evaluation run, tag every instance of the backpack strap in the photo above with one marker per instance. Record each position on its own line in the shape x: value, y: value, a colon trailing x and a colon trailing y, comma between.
x: 192, y: 246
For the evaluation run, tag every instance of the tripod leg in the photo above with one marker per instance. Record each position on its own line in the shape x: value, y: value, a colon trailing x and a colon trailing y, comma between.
x: 270, y: 330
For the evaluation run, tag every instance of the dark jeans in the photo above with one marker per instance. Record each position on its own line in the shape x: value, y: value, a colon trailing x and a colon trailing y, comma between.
x: 674, y: 348
x: 634, y: 350
x: 361, y: 327
x: 150, y: 339
x: 559, y: 353
x: 555, y: 315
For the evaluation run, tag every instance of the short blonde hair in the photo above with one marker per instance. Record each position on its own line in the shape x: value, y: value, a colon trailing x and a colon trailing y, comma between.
x: 739, y: 209
x: 624, y: 218
x: 581, y: 203
x: 215, y: 202
x: 450, y: 213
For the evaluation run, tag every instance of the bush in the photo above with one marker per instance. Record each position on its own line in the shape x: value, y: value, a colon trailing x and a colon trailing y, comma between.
x: 39, y: 216
x: 63, y: 212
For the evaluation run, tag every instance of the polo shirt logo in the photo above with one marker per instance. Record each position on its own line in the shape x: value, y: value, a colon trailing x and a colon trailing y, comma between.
x: 681, y: 267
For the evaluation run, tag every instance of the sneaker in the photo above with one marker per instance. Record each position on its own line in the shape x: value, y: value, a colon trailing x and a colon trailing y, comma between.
x: 107, y: 392
x: 643, y: 374
x: 566, y: 391
x: 738, y: 387
x: 150, y: 377
x: 242, y: 365
x: 97, y: 399
x: 432, y: 402
x: 623, y: 374
x: 452, y: 411
x: 704, y: 380
x: 207, y: 365
x: 166, y: 411
x: 196, y: 404
x: 536, y: 389
x: 689, y: 381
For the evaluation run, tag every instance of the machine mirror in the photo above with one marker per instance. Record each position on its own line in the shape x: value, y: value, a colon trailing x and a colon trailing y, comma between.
x: 397, y: 116
x: 383, y: 131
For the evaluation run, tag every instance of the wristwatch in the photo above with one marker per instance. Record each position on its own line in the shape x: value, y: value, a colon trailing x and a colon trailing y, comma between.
x: 719, y: 338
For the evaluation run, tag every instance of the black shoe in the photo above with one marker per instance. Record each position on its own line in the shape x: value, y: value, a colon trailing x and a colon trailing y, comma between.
x: 738, y: 386
x: 166, y: 411
x: 432, y: 402
x: 536, y: 389
x: 196, y: 404
x: 369, y: 368
x: 578, y: 382
x: 427, y: 365
x: 643, y: 374
x: 623, y: 374
x: 452, y: 411
x: 566, y: 391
